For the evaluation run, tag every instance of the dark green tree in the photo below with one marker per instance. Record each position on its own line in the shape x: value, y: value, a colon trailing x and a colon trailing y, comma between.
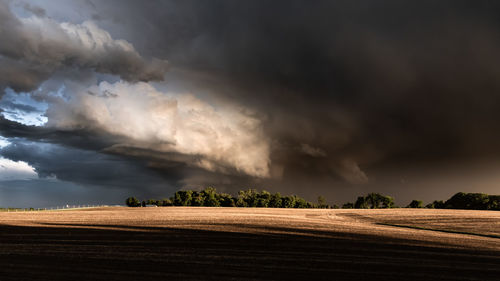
x: 197, y: 199
x: 387, y: 202
x: 301, y: 203
x: 493, y: 203
x: 226, y: 200
x: 374, y: 201
x: 436, y: 205
x: 472, y: 201
x: 132, y: 202
x: 361, y: 203
x: 210, y: 196
x: 183, y: 198
x: 321, y: 202
x: 275, y: 201
x: 348, y: 205
x: 288, y: 202
x: 415, y: 204
x: 263, y: 199
x: 165, y: 202
x: 249, y: 197
x: 240, y: 202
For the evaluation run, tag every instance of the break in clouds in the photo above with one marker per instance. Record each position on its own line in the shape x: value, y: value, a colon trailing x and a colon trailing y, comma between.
x: 335, y: 98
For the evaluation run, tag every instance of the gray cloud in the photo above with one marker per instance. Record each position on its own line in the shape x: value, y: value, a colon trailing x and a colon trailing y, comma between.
x: 33, y: 48
x: 38, y: 11
x: 374, y: 85
x: 91, y: 169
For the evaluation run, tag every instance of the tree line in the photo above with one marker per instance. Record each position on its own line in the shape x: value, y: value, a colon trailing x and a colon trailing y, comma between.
x: 462, y: 200
x: 209, y: 197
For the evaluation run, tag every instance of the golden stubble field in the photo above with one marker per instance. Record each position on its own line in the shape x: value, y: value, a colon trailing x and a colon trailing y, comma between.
x: 196, y: 243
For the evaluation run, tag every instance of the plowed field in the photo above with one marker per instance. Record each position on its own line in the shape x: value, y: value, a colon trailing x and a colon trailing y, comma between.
x: 193, y: 243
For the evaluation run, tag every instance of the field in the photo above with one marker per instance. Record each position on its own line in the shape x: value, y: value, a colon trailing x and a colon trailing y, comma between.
x: 179, y: 243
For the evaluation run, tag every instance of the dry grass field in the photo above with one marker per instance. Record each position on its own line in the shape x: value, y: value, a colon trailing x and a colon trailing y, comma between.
x: 177, y: 243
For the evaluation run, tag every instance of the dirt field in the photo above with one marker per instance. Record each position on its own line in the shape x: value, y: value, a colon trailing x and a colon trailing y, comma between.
x: 175, y: 243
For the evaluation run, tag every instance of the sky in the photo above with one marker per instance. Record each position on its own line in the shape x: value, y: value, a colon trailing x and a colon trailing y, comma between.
x: 101, y: 100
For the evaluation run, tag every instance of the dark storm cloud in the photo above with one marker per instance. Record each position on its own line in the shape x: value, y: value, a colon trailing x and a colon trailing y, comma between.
x: 86, y: 168
x: 20, y: 76
x: 357, y: 79
x: 370, y: 85
x: 83, y: 139
x: 346, y: 90
x: 34, y: 48
x: 6, y: 104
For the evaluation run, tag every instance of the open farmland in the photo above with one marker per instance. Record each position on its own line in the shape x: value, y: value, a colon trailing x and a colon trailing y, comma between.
x: 250, y: 243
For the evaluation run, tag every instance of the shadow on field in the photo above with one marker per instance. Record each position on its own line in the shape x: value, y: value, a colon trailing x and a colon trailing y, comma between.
x: 441, y: 230
x: 117, y: 252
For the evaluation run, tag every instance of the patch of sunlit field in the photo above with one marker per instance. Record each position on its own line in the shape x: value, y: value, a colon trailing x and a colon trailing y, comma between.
x: 120, y: 243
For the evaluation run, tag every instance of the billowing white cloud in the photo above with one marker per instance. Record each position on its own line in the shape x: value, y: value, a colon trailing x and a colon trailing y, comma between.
x: 219, y: 137
x: 12, y: 170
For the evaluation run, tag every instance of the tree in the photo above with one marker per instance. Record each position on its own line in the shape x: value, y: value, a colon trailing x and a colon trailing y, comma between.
x: 348, y: 205
x: 374, y: 201
x: 241, y: 203
x: 416, y: 204
x: 288, y: 202
x: 472, y: 201
x: 436, y: 205
x: 494, y: 202
x: 321, y: 202
x: 197, y: 199
x: 361, y: 203
x: 226, y: 200
x: 210, y: 196
x: 275, y: 201
x: 151, y: 202
x: 301, y: 203
x: 132, y: 202
x: 387, y: 202
x: 165, y: 202
x: 249, y: 197
x: 263, y: 199
x: 183, y: 198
